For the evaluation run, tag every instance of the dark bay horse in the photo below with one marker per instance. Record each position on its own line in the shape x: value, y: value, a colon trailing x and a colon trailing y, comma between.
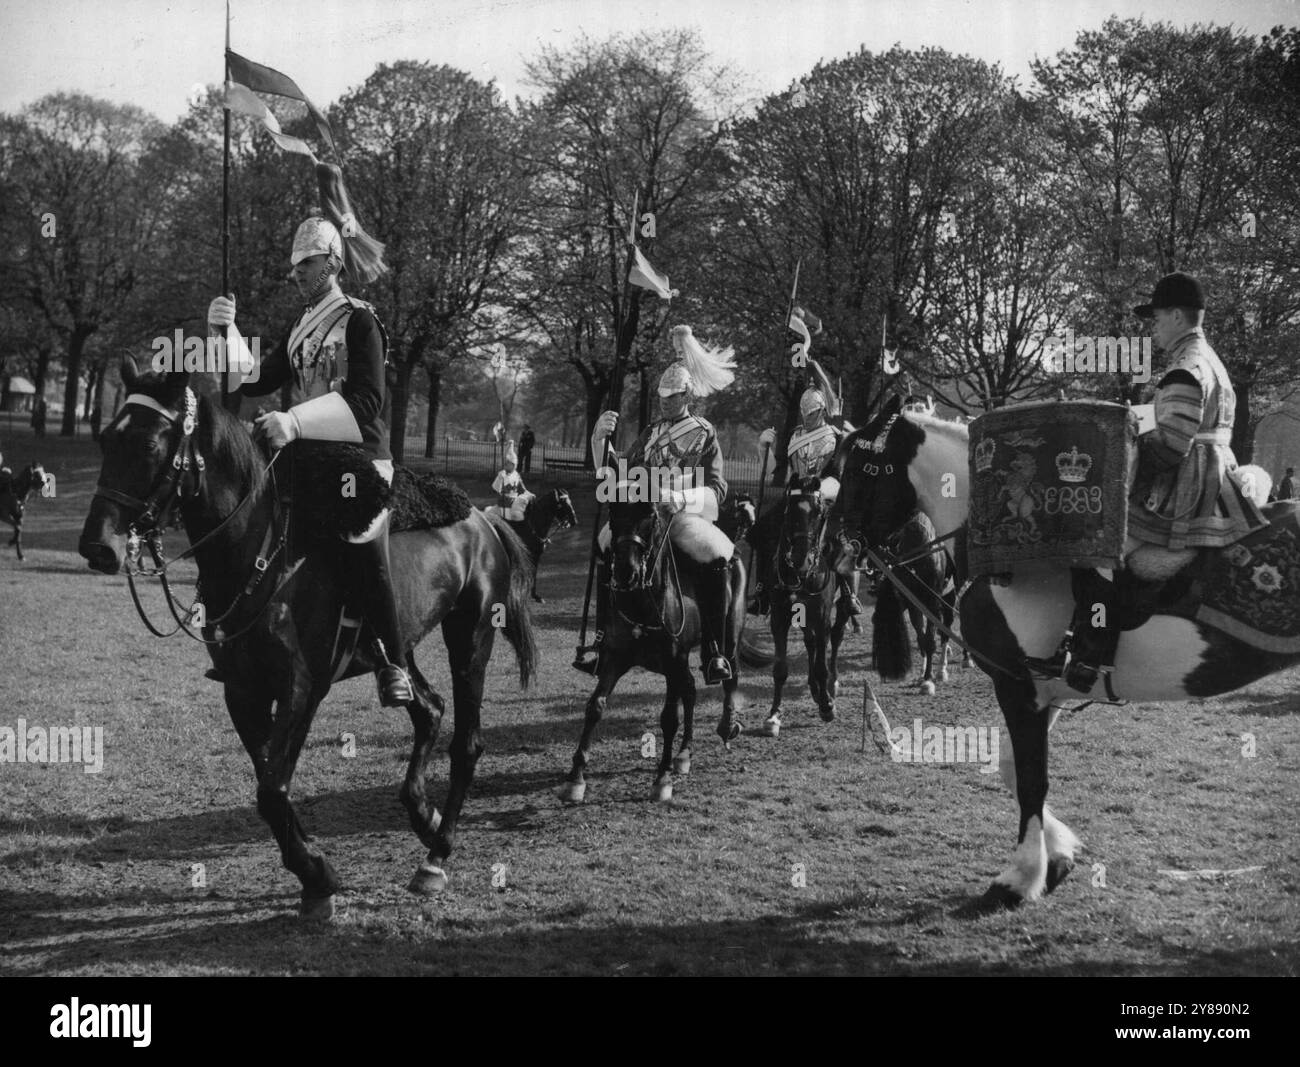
x: 921, y: 461
x: 654, y: 622
x: 931, y: 577
x: 541, y: 517
x: 13, y: 499
x: 804, y: 592
x: 167, y: 453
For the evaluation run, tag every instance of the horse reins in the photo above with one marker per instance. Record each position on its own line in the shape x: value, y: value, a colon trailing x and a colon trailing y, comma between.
x: 157, y: 514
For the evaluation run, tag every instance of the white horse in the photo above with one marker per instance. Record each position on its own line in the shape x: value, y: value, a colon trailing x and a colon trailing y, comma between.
x: 923, y: 462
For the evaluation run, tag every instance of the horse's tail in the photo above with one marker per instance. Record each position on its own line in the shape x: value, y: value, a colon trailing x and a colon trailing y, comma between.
x: 890, y: 644
x: 519, y: 620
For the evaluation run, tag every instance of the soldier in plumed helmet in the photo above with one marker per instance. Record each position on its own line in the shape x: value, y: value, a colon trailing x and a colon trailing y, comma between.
x: 333, y: 361
x: 810, y: 449
x: 681, y: 441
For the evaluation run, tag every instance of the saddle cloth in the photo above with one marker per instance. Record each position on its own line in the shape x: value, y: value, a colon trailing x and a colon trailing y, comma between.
x: 1249, y: 590
x: 337, y: 492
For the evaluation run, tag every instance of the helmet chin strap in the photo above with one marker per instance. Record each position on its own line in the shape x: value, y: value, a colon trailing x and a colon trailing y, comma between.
x: 321, y: 285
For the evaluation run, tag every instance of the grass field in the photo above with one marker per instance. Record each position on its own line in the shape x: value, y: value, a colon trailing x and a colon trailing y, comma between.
x: 159, y: 864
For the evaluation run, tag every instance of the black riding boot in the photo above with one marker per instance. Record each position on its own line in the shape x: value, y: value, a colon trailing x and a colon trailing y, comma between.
x: 1094, y: 634
x: 760, y: 603
x: 713, y: 589
x: 588, y: 660
x: 369, y: 584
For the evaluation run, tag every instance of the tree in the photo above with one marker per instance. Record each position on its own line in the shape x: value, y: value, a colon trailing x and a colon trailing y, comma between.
x: 432, y: 163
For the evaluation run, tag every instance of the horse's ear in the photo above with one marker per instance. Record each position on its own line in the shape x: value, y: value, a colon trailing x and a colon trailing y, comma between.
x: 129, y: 372
x: 176, y: 381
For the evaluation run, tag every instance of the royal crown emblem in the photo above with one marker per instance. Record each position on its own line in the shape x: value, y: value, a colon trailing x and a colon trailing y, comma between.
x: 984, y: 452
x: 1073, y: 466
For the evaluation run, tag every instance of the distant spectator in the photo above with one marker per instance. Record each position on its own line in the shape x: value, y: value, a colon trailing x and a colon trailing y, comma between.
x: 1286, y: 490
x: 512, y: 497
x: 38, y: 416
x: 526, y: 441
x: 95, y: 417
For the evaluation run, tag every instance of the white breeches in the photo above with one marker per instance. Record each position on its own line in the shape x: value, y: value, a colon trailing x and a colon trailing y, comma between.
x: 385, y: 469
x: 691, y: 535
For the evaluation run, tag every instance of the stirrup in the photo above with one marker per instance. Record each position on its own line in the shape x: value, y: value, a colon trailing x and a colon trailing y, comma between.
x: 395, y: 689
x: 588, y: 666
x: 717, y: 670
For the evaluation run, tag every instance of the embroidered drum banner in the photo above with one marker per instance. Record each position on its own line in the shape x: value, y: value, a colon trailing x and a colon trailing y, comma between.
x: 1048, y: 485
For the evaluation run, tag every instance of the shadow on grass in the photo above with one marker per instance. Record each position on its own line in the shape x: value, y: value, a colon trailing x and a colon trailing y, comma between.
x: 856, y: 934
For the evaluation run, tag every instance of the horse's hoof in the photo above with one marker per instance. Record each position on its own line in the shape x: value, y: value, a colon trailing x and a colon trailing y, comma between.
x: 729, y: 733
x: 317, y: 909
x: 428, y: 879
x: 771, y: 726
x: 999, y: 897
x: 927, y: 687
x: 573, y: 792
x: 682, y: 764
x: 1058, y: 870
x: 662, y: 791
x: 827, y: 712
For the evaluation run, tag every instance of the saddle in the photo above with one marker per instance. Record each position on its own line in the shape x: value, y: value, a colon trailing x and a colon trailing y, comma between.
x: 336, y: 492
x: 1249, y: 590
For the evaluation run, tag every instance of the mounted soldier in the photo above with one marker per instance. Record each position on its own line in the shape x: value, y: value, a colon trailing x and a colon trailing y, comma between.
x: 680, y: 456
x: 1183, y: 497
x: 333, y: 362
x: 810, y: 449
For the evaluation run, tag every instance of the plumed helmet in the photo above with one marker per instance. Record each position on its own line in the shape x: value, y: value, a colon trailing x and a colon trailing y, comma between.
x: 316, y: 237
x: 676, y: 379
x: 812, y: 400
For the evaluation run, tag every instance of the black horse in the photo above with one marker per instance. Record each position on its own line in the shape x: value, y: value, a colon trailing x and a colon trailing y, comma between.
x: 13, y: 499
x: 272, y: 613
x: 654, y: 622
x: 930, y: 575
x: 804, y: 592
x: 542, y: 515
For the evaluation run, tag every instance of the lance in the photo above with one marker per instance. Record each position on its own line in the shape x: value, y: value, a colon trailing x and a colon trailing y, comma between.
x: 229, y: 400
x: 615, y: 382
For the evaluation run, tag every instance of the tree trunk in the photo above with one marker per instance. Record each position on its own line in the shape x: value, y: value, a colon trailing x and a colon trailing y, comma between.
x: 42, y: 368
x: 401, y: 394
x: 1243, y: 432
x: 76, y: 348
x: 435, y: 400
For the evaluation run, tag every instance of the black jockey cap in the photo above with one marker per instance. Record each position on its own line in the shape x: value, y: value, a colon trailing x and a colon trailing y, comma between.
x: 1177, y: 290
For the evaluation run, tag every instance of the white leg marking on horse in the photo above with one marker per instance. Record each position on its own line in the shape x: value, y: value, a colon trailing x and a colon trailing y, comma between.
x: 1060, y: 839
x: 1038, y: 606
x: 1027, y: 875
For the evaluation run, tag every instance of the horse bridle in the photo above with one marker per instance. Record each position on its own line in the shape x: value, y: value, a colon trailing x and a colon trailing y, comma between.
x: 161, y: 512
x: 804, y: 569
x: 660, y: 552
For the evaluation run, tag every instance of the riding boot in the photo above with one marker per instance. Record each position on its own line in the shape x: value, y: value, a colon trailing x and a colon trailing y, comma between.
x: 760, y: 603
x: 588, y: 660
x: 1089, y: 649
x: 369, y: 584
x: 713, y: 589
x: 850, y: 594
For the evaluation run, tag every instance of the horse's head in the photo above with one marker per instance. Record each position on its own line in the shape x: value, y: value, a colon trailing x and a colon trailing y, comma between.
x: 802, y: 526
x: 565, y: 514
x: 632, y: 530
x: 876, y: 495
x: 743, y: 515
x: 150, y: 465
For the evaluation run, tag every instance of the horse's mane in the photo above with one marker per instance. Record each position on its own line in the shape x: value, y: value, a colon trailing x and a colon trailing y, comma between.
x: 949, y: 427
x: 222, y: 436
